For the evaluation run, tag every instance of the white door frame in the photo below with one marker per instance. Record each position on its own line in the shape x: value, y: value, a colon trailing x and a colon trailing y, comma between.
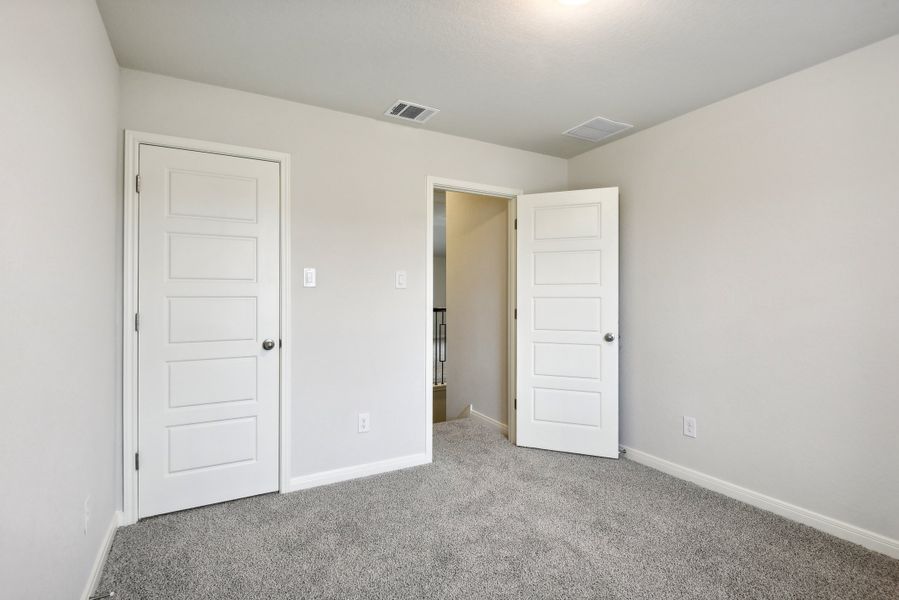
x: 133, y: 140
x: 454, y: 185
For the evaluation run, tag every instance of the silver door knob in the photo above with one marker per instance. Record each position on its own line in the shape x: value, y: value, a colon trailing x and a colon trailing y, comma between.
x: 609, y: 337
x: 268, y: 344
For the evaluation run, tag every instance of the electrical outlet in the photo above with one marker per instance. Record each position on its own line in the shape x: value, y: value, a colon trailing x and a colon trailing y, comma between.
x: 87, y: 513
x: 690, y: 427
x: 400, y: 280
x: 364, y: 423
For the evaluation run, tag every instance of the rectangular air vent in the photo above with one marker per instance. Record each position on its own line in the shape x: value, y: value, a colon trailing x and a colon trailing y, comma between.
x: 409, y: 111
x: 597, y: 129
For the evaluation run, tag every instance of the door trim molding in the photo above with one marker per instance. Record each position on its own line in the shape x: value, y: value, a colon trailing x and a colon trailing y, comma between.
x: 133, y: 139
x: 455, y: 185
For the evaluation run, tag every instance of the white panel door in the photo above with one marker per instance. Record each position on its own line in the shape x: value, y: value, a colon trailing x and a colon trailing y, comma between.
x: 567, y: 381
x: 208, y: 299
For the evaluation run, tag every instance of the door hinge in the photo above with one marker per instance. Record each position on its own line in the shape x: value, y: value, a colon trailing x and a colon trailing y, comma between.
x: 280, y: 343
x: 515, y: 404
x: 136, y: 321
x: 516, y: 224
x: 137, y: 183
x: 516, y: 313
x: 136, y: 461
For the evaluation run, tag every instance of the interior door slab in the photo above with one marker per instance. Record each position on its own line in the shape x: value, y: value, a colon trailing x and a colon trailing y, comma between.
x: 208, y: 298
x: 567, y: 350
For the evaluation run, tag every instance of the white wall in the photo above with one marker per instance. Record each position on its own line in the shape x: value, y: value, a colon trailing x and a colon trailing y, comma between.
x: 760, y: 286
x: 59, y: 307
x: 359, y: 204
x: 477, y: 276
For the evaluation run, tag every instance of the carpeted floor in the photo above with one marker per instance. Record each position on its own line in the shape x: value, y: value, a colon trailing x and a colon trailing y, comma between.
x: 488, y: 520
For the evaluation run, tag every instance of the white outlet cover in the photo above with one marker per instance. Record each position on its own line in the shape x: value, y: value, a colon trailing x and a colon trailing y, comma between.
x: 690, y: 427
x: 364, y: 423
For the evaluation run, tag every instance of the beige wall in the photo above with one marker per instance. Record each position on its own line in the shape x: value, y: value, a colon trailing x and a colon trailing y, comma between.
x: 760, y: 286
x: 58, y: 348
x: 477, y: 302
x: 359, y: 203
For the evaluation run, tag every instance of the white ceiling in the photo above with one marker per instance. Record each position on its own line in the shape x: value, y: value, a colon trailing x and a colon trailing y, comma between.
x: 513, y: 72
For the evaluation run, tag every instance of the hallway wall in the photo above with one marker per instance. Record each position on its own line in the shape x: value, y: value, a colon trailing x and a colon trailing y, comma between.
x: 477, y: 304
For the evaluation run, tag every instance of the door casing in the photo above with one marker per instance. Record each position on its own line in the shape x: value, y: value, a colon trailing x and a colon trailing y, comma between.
x: 455, y: 185
x: 130, y: 424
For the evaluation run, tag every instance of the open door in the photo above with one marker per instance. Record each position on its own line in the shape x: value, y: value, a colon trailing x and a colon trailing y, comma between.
x: 567, y: 381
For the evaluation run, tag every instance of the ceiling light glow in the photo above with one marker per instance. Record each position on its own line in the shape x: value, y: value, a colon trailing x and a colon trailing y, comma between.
x: 573, y: 2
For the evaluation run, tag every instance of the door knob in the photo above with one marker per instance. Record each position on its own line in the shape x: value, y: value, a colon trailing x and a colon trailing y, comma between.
x: 609, y: 337
x: 268, y: 344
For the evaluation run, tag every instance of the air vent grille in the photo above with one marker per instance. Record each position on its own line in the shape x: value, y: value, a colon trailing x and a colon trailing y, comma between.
x: 597, y: 129
x: 409, y: 111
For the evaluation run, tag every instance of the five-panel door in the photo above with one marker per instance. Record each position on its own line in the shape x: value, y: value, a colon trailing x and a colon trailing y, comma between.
x: 567, y: 351
x: 208, y: 299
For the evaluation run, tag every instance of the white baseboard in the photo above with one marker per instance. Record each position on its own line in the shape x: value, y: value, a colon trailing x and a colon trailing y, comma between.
x: 492, y: 422
x: 346, y: 473
x: 857, y: 535
x: 102, y: 553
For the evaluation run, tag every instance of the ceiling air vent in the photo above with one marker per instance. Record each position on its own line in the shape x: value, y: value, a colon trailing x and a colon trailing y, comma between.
x: 597, y: 129
x: 409, y: 111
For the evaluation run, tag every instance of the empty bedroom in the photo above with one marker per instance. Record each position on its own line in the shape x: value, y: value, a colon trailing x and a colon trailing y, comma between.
x: 449, y: 299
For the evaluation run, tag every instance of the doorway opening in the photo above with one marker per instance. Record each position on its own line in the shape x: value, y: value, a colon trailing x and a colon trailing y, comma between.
x: 471, y: 337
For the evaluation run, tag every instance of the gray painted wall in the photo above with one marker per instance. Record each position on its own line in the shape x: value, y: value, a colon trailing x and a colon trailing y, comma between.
x: 59, y: 194
x: 758, y: 279
x: 359, y: 205
x: 439, y: 248
x: 439, y: 281
x: 759, y: 286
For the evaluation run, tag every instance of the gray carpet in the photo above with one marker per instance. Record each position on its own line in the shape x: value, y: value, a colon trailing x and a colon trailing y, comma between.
x: 488, y: 520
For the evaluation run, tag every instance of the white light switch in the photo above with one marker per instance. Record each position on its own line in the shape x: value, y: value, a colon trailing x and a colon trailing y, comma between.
x: 309, y: 277
x: 400, y: 280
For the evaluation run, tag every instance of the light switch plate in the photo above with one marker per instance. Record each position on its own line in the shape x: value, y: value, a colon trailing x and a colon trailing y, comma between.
x: 400, y: 280
x: 309, y: 277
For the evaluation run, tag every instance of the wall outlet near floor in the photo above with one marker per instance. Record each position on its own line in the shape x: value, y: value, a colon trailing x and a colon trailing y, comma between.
x: 87, y: 513
x: 364, y: 423
x: 690, y: 427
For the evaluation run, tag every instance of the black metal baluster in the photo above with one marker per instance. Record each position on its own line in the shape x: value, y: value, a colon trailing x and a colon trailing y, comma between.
x: 440, y: 346
x: 435, y: 342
